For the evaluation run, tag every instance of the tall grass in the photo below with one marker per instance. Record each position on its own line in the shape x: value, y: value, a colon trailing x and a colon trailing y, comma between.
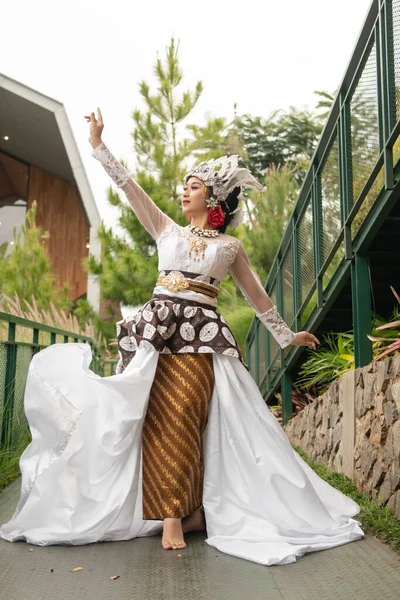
x: 53, y: 317
x: 9, y: 457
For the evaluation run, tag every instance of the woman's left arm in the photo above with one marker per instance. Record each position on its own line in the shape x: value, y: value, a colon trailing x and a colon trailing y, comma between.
x: 255, y: 294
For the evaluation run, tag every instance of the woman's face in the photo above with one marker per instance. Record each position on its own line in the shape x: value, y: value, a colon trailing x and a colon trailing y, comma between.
x: 194, y: 197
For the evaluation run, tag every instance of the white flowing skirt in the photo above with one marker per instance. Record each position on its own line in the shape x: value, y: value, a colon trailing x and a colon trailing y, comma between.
x: 81, y: 474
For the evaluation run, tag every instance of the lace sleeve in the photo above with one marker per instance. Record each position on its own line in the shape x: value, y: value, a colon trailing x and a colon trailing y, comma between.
x: 255, y: 294
x: 148, y: 213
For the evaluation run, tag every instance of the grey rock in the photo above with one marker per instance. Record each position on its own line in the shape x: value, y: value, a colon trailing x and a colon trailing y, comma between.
x: 318, y: 415
x: 378, y: 475
x: 395, y: 366
x: 376, y: 434
x: 360, y: 407
x: 394, y: 503
x: 396, y: 437
x: 370, y: 391
x: 395, y: 393
x: 368, y: 459
x: 390, y: 484
x: 387, y: 452
x: 382, y: 375
x: 381, y: 400
x: 338, y: 460
x: 335, y: 412
x: 336, y: 436
x: 391, y: 413
x: 325, y: 416
x: 366, y: 422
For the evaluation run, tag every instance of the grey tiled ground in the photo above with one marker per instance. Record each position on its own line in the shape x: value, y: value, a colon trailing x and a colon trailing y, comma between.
x: 363, y: 570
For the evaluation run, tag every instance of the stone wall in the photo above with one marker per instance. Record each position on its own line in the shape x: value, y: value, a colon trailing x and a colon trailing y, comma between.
x: 354, y: 428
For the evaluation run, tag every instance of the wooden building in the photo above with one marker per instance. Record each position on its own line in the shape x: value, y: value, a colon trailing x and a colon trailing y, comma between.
x: 40, y: 161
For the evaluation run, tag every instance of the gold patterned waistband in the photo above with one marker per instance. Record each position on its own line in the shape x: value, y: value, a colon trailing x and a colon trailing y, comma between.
x: 176, y: 282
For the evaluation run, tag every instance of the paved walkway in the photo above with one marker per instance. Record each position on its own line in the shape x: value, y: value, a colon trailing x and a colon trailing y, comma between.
x: 363, y: 570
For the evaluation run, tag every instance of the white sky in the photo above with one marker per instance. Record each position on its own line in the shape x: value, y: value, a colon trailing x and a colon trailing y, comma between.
x: 261, y: 54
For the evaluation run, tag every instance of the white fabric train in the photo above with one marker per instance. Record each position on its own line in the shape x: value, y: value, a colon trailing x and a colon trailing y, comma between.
x: 81, y: 475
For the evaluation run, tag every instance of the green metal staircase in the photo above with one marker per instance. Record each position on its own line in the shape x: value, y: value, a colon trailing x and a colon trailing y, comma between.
x: 340, y: 252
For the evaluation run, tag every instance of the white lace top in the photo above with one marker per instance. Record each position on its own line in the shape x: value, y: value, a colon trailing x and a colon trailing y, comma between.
x: 220, y: 255
x: 174, y: 253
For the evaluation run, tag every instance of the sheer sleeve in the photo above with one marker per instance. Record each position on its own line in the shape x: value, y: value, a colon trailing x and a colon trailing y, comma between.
x: 255, y: 294
x: 148, y: 213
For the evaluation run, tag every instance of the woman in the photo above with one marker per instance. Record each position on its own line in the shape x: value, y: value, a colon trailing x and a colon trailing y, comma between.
x: 181, y: 432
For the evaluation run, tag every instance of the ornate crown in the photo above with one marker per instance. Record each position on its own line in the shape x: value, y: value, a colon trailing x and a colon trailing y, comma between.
x: 224, y: 175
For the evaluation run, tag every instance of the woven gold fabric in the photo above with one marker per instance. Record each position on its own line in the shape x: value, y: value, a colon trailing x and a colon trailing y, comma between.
x: 172, y: 435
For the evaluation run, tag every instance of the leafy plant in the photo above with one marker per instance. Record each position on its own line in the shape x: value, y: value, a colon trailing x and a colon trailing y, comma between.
x: 389, y: 341
x: 334, y: 357
x: 336, y: 354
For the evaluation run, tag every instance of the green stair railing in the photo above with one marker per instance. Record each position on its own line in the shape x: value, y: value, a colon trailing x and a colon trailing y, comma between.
x: 21, y: 340
x: 350, y: 188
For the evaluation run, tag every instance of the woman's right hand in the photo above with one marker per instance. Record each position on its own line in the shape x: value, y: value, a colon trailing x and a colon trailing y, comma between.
x: 96, y: 128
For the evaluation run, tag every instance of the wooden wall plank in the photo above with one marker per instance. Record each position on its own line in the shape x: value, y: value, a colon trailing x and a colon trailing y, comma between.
x: 60, y: 212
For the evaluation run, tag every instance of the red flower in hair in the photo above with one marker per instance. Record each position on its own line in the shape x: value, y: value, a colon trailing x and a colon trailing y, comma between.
x: 216, y: 217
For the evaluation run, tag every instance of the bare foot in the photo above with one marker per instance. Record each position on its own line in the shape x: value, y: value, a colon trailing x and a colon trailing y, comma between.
x: 194, y: 522
x: 172, y: 538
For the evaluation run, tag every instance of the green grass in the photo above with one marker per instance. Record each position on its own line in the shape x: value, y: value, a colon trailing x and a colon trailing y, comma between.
x: 9, y: 458
x: 375, y: 519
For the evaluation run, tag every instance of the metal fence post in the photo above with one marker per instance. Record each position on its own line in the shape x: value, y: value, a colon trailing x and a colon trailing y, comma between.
x: 257, y: 356
x: 362, y: 321
x: 317, y: 233
x: 386, y: 88
x: 286, y: 389
x: 296, y: 268
x: 345, y: 173
x: 9, y: 388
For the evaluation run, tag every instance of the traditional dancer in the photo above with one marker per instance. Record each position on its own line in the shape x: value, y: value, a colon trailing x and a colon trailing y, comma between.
x: 180, y: 437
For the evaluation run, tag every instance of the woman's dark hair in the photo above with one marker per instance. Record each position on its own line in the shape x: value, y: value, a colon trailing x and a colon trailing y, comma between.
x: 228, y: 206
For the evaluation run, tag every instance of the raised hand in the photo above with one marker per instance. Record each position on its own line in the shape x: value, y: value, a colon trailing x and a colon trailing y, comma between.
x: 96, y: 128
x: 303, y: 338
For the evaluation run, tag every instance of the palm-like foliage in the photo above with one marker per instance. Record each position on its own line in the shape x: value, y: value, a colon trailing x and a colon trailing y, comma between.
x: 334, y: 358
x: 336, y: 355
